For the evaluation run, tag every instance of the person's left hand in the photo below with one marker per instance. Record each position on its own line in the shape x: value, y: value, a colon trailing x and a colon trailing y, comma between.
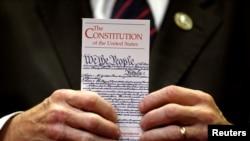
x: 170, y: 109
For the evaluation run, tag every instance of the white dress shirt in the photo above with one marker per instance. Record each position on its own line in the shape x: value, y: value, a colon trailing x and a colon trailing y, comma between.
x: 4, y: 119
x: 102, y: 10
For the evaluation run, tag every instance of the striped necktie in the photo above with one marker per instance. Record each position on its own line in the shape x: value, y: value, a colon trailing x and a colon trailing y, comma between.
x: 134, y: 9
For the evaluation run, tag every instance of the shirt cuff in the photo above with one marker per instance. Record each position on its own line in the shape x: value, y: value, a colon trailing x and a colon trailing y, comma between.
x: 4, y: 119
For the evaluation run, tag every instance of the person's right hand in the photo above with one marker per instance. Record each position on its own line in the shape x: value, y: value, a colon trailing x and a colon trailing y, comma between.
x: 66, y: 115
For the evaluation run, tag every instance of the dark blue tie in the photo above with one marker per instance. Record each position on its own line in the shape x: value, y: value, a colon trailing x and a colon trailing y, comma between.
x: 135, y: 9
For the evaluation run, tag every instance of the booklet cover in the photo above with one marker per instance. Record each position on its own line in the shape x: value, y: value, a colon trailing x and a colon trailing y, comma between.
x: 115, y: 64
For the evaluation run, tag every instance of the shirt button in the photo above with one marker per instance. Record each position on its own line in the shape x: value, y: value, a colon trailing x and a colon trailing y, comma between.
x: 183, y: 21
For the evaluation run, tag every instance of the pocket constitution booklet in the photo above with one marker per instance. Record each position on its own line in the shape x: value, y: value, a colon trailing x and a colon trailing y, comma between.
x: 115, y: 64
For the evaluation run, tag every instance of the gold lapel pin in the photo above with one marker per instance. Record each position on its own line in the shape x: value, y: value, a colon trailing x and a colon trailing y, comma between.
x: 183, y: 21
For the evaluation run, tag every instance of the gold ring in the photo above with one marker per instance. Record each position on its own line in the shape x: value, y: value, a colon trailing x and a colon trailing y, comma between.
x: 183, y: 132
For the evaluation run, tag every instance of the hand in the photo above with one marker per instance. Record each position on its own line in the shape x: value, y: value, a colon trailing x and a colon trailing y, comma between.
x: 173, y: 107
x: 65, y: 115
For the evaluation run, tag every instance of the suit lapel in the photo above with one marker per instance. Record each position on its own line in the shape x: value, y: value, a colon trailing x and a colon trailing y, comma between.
x: 175, y: 50
x: 63, y: 22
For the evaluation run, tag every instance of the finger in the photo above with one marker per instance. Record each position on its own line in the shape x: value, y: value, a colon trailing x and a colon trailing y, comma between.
x: 169, y: 133
x: 62, y: 132
x: 93, y: 123
x: 173, y: 94
x: 88, y: 101
x: 168, y: 114
x: 173, y: 133
x: 178, y: 114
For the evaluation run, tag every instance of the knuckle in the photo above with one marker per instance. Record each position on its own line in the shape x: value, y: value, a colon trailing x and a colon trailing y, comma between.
x: 59, y: 94
x: 208, y: 116
x: 204, y: 97
x: 207, y: 98
x: 57, y: 114
x: 92, y: 100
x: 93, y: 122
x: 88, y: 137
x: 55, y: 119
x: 171, y: 91
x: 56, y: 132
x: 170, y: 110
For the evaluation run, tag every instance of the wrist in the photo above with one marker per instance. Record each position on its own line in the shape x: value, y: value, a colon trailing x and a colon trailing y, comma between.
x: 5, y: 125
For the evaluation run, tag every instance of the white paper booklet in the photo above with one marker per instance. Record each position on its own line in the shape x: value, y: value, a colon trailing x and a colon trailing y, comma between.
x: 115, y: 64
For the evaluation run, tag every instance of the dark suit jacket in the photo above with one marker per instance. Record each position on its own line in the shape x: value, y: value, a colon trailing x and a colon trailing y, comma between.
x: 40, y: 51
